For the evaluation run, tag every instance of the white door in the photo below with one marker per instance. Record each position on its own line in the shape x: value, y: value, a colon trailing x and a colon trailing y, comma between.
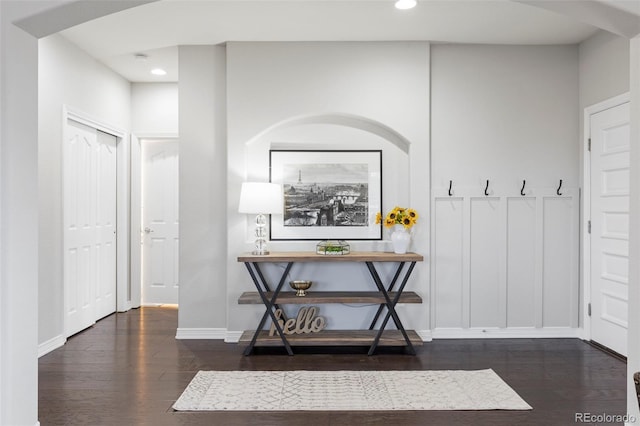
x: 160, y: 221
x: 610, y: 144
x: 89, y: 204
x: 106, y: 225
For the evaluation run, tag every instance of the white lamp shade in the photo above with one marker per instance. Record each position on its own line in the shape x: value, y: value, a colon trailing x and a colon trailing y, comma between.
x: 261, y: 198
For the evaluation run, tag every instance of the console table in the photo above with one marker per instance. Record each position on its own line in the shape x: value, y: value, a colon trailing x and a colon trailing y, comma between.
x: 387, y: 297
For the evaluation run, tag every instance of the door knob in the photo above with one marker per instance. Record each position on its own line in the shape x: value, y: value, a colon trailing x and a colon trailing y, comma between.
x: 148, y: 230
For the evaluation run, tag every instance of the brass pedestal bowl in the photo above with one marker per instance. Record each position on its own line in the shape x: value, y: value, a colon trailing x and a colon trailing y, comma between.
x: 300, y: 286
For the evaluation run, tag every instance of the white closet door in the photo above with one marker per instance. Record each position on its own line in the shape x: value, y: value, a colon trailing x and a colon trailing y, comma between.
x: 610, y: 144
x: 105, y: 225
x: 160, y: 221
x: 89, y: 200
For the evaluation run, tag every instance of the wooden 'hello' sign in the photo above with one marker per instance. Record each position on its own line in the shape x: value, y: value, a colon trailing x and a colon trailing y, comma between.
x: 305, y: 322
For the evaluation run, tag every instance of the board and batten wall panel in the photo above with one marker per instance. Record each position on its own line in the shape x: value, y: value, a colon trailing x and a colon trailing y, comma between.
x: 505, y: 115
x: 505, y: 265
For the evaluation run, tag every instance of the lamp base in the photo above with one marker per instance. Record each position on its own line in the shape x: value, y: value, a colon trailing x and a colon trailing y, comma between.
x: 261, y: 234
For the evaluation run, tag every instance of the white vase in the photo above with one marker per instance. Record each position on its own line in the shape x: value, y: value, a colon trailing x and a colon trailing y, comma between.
x: 400, y: 238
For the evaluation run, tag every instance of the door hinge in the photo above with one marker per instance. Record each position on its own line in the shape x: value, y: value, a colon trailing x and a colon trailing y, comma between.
x: 589, y: 227
x: 589, y: 145
x: 589, y: 309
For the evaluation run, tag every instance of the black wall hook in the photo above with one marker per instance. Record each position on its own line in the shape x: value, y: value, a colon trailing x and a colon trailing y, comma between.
x: 450, y: 184
x: 559, y: 186
x: 486, y: 188
x: 524, y: 182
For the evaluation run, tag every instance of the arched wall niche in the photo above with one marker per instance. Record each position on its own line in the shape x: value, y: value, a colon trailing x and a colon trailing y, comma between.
x: 333, y: 131
x: 340, y: 119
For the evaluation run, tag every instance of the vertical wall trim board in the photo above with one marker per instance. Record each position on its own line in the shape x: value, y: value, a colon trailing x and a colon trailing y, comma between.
x: 502, y: 264
x: 466, y: 262
x: 507, y: 232
x: 539, y: 283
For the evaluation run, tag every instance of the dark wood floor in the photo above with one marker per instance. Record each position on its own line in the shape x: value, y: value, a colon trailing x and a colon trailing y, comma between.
x: 129, y: 369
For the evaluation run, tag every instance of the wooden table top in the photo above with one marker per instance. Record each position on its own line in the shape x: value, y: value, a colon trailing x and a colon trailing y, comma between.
x: 310, y: 256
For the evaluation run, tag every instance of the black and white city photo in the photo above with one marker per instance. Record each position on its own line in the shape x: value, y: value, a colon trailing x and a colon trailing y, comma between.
x: 327, y: 194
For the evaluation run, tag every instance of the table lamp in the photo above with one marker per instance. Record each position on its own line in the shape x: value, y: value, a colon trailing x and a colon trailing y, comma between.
x: 261, y: 198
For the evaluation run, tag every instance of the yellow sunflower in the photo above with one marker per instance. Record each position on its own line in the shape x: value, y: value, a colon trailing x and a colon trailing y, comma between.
x: 399, y: 216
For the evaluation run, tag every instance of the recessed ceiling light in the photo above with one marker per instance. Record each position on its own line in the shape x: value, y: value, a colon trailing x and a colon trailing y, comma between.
x: 158, y: 71
x: 406, y: 4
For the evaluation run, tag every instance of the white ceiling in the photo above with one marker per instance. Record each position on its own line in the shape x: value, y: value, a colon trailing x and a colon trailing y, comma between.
x: 157, y: 28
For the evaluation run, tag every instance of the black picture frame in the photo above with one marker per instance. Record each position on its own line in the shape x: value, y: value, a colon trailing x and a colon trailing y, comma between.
x: 328, y: 194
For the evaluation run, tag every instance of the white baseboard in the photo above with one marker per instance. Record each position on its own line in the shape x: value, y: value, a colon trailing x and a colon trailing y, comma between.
x: 201, y: 333
x: 504, y: 333
x: 160, y: 305
x: 51, y: 345
x: 233, y: 336
x: 425, y: 335
x: 455, y: 333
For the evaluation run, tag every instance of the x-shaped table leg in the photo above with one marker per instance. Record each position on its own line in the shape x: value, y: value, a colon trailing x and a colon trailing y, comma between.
x: 391, y: 310
x: 391, y: 285
x: 259, y: 281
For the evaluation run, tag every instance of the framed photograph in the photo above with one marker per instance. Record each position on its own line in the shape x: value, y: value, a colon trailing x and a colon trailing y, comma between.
x: 328, y: 195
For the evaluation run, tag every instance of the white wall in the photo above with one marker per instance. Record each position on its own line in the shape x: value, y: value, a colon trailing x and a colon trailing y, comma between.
x: 154, y: 109
x: 489, y: 103
x: 67, y: 76
x: 503, y: 111
x: 604, y: 68
x: 633, y: 359
x: 603, y: 74
x: 328, y: 96
x: 154, y: 114
x: 506, y: 114
x: 203, y: 228
x: 18, y: 218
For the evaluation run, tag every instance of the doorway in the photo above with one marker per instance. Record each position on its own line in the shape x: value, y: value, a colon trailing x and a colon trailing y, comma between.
x: 607, y: 127
x: 160, y: 221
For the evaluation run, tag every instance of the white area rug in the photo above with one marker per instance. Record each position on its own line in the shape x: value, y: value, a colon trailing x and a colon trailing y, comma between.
x: 348, y: 390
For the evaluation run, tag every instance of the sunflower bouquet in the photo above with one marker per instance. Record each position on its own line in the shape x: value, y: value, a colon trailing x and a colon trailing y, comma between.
x: 398, y: 216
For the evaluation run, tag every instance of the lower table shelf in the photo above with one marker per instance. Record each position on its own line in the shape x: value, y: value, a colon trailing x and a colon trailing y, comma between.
x: 334, y: 338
